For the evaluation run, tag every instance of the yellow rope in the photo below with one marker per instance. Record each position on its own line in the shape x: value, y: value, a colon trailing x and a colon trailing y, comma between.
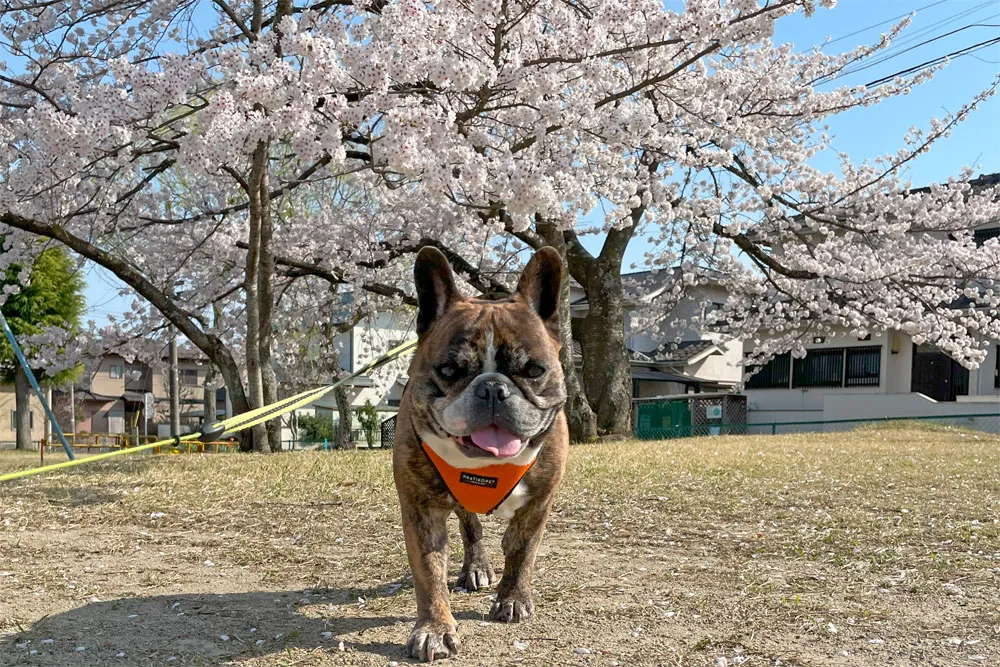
x: 231, y: 425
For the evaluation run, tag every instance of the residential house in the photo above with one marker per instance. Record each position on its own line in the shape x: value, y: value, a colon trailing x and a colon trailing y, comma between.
x: 109, y: 396
x: 702, y: 361
x: 8, y: 417
x: 843, y: 377
x: 365, y: 342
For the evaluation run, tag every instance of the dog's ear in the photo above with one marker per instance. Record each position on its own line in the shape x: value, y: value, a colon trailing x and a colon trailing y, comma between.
x: 435, y: 287
x: 540, y: 285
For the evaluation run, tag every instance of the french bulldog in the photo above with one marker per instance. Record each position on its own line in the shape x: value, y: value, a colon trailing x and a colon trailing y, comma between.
x: 480, y: 429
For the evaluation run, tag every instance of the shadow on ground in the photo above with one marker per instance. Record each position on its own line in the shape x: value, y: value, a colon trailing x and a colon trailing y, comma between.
x: 200, y: 629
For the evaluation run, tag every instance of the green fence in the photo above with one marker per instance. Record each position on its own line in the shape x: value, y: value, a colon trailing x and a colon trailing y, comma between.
x: 664, y: 425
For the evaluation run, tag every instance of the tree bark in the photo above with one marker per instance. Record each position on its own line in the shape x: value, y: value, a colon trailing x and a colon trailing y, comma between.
x: 208, y: 398
x: 22, y: 404
x: 579, y: 415
x: 344, y: 410
x: 255, y: 380
x: 265, y: 292
x: 607, y: 376
x: 175, y: 392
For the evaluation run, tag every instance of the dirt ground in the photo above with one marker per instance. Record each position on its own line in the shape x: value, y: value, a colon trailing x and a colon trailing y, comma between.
x: 879, y: 547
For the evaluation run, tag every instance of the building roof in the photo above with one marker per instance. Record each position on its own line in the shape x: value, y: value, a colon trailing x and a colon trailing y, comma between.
x: 682, y: 352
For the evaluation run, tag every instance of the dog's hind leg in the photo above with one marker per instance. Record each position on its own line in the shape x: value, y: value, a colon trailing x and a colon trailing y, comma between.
x: 476, y: 571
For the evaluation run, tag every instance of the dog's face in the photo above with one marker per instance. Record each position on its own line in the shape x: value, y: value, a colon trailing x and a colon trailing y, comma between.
x: 487, y: 374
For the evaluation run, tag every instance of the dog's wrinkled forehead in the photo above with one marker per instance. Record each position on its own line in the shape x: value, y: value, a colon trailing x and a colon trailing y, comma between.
x: 486, y: 337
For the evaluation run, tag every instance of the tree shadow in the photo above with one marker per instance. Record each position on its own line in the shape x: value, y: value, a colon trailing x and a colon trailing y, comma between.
x: 199, y: 629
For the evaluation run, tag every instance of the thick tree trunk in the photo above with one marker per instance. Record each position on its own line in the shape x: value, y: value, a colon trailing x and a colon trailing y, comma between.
x: 22, y: 404
x: 579, y: 415
x: 607, y: 377
x: 344, y: 411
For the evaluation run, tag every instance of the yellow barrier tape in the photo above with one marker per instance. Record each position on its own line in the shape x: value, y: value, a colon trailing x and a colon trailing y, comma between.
x: 231, y: 425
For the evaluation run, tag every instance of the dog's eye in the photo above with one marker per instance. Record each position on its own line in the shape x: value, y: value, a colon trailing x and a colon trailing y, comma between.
x: 447, y: 370
x: 534, y: 370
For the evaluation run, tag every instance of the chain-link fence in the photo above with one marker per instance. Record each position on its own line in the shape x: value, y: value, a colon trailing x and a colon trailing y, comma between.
x: 988, y: 424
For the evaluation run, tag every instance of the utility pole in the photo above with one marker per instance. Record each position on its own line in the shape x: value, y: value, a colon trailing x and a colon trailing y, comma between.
x: 175, y: 397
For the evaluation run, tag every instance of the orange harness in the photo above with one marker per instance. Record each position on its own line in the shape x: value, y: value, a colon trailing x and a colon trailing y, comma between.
x: 479, y: 490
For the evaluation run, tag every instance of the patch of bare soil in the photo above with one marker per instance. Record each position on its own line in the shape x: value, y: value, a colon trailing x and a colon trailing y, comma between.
x: 875, y: 548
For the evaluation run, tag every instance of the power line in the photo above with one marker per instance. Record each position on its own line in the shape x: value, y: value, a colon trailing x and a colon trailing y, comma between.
x: 886, y: 57
x: 875, y: 25
x: 930, y: 63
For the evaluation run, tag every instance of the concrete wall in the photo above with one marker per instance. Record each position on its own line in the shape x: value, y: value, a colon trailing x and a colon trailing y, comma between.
x: 905, y: 405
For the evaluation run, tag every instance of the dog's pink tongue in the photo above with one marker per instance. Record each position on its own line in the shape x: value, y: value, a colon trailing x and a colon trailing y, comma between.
x: 496, y: 441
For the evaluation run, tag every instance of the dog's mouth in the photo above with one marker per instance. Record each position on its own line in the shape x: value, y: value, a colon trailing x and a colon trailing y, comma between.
x: 490, y: 440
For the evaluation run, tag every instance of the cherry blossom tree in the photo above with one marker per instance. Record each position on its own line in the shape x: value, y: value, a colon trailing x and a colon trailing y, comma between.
x: 188, y: 147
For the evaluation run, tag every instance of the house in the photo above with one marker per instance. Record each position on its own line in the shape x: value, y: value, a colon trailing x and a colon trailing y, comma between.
x: 702, y: 360
x: 8, y: 417
x: 886, y: 375
x: 843, y: 377
x: 370, y: 338
x: 109, y: 396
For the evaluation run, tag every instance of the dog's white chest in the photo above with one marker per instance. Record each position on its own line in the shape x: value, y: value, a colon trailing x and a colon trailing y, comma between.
x: 517, y: 498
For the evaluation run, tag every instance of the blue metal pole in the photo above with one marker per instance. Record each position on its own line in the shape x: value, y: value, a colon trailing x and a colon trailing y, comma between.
x: 34, y: 385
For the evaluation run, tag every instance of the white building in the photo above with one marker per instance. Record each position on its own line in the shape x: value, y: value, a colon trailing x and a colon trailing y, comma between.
x: 843, y: 377
x: 702, y: 360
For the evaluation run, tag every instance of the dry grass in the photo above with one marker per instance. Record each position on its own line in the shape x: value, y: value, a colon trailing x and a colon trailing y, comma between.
x: 878, y: 547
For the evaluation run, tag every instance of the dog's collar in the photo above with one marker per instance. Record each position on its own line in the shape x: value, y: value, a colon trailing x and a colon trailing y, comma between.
x: 479, y: 490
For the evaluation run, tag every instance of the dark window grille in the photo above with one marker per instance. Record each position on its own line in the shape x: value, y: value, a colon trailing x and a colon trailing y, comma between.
x: 773, y: 375
x: 819, y: 368
x: 864, y: 366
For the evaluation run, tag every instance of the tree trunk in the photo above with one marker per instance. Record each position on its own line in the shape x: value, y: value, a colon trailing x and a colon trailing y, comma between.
x: 208, y: 398
x: 344, y: 410
x: 580, y: 417
x: 265, y: 292
x: 175, y: 392
x: 607, y: 376
x: 255, y: 380
x: 22, y: 403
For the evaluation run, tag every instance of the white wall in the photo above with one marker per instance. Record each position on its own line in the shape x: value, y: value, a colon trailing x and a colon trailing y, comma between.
x: 725, y: 367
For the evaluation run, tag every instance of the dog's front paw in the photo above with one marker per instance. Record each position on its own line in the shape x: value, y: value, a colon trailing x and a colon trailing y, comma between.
x: 432, y: 640
x: 512, y: 608
x: 476, y: 575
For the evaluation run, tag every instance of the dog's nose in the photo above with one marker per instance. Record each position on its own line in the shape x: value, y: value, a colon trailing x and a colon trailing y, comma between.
x: 493, y: 391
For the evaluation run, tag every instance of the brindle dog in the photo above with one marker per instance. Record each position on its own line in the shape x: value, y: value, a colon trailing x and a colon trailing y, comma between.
x: 486, y: 387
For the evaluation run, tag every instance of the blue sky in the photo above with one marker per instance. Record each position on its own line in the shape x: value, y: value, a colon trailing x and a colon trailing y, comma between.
x: 863, y: 133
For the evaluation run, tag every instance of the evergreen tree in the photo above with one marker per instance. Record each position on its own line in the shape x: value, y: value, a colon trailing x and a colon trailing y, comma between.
x: 52, y: 297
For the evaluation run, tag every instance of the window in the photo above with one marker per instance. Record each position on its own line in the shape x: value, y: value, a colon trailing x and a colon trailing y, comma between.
x: 189, y: 376
x: 13, y: 420
x: 220, y: 396
x: 115, y: 371
x: 394, y: 402
x: 980, y: 236
x: 864, y: 366
x: 773, y: 375
x: 819, y: 368
x: 996, y: 371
